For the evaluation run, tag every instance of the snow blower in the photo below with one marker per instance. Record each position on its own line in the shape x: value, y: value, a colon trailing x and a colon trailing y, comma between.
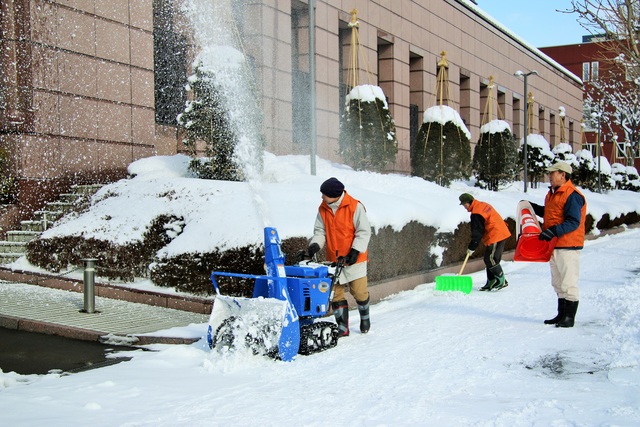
x: 280, y: 319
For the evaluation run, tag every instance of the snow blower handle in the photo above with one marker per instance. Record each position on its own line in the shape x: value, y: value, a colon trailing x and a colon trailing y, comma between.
x: 464, y: 264
x: 339, y: 266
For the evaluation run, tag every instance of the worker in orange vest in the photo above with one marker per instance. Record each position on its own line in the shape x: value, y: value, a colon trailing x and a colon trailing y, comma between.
x: 564, y: 213
x: 342, y: 225
x: 488, y: 226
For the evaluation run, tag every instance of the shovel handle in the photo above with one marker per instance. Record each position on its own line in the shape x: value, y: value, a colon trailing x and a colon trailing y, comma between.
x: 464, y: 264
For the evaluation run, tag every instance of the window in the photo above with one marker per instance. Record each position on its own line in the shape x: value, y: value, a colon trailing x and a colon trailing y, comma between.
x: 170, y: 64
x: 590, y: 146
x: 594, y: 70
x: 585, y: 71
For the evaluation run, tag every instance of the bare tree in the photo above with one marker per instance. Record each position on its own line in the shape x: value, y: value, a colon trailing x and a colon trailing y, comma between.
x: 616, y: 25
x: 618, y: 103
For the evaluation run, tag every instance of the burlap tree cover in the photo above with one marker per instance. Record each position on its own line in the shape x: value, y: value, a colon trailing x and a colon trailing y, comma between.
x: 441, y: 153
x: 206, y: 119
x: 367, y: 132
x: 495, y: 157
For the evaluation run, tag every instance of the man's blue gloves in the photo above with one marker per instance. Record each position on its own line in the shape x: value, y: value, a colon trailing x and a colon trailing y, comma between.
x: 548, y: 234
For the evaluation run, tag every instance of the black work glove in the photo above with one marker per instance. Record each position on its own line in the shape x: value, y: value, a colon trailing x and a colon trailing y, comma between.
x: 352, y: 257
x: 548, y: 234
x: 313, y: 249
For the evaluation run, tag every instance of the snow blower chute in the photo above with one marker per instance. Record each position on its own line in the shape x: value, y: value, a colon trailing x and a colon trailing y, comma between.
x: 279, y: 320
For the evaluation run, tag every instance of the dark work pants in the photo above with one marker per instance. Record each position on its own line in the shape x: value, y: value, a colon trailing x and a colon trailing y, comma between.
x: 492, y: 257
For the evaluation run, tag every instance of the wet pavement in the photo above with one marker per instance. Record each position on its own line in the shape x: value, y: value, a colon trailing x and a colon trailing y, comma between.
x: 34, y: 353
x: 39, y: 309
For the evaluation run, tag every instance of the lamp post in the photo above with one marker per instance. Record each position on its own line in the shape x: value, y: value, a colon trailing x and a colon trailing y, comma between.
x: 520, y: 73
x: 597, y: 116
x: 312, y: 80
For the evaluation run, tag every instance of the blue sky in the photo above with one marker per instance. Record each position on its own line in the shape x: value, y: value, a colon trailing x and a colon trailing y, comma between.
x: 536, y: 21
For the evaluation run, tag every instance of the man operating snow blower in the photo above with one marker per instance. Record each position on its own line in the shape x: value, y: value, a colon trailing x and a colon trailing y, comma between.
x: 342, y: 225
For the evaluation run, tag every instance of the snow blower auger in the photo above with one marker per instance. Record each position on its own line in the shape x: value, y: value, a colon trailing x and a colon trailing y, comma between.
x: 279, y: 321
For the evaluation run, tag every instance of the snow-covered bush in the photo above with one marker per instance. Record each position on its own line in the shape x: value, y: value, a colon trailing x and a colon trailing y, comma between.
x: 367, y: 130
x: 539, y: 157
x: 442, y: 150
x: 495, y: 156
x: 586, y: 175
x: 564, y: 152
x: 625, y: 177
x: 8, y: 182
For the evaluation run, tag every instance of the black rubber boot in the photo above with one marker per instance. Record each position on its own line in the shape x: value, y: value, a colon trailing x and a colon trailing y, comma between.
x: 365, y: 322
x: 560, y: 315
x: 570, y: 309
x: 341, y: 312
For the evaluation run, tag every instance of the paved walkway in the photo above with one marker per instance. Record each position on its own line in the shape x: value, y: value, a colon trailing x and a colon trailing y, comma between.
x: 54, y: 311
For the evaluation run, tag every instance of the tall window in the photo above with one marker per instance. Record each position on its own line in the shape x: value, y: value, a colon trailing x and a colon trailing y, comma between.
x: 594, y: 70
x: 301, y: 83
x: 170, y: 63
x: 585, y: 71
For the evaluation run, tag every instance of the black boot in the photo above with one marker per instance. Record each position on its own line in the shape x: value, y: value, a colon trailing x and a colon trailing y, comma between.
x: 341, y: 311
x: 570, y: 309
x: 365, y: 323
x: 560, y: 315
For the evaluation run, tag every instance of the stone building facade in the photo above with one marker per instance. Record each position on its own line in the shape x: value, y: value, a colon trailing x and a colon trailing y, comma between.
x: 88, y: 86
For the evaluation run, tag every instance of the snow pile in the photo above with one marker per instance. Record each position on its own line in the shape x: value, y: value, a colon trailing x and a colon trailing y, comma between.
x: 495, y: 126
x: 442, y: 114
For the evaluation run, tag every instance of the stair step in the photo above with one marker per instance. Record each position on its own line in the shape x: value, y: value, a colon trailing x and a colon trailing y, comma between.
x: 50, y: 216
x: 21, y: 236
x: 8, y: 257
x: 31, y: 226
x: 87, y: 189
x: 13, y: 247
x: 63, y: 207
x: 71, y: 197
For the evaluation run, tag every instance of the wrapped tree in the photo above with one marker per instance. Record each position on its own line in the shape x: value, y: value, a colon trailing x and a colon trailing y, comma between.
x: 442, y: 150
x: 367, y: 131
x: 564, y: 152
x: 539, y: 157
x: 205, y: 118
x: 8, y: 182
x: 495, y: 156
x: 587, y: 175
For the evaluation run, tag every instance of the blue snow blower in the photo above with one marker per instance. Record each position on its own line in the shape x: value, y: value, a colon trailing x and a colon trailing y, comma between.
x: 280, y: 319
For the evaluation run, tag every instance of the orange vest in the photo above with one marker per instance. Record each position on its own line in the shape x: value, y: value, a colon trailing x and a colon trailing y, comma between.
x: 495, y: 229
x: 554, y: 214
x: 339, y: 228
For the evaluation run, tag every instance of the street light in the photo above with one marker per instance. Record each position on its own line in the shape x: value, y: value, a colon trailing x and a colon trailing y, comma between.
x: 598, y: 115
x: 526, y: 125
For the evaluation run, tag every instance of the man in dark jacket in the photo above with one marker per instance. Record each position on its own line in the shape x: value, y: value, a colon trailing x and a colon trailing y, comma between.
x: 488, y: 226
x: 564, y: 213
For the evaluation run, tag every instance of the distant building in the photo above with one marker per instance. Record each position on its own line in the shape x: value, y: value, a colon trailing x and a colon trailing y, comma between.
x: 593, y: 61
x: 90, y: 86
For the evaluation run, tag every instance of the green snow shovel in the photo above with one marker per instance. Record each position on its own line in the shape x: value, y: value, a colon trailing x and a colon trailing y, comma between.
x: 457, y: 282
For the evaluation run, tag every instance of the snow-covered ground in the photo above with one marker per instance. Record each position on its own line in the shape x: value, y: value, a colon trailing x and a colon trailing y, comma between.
x: 431, y: 358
